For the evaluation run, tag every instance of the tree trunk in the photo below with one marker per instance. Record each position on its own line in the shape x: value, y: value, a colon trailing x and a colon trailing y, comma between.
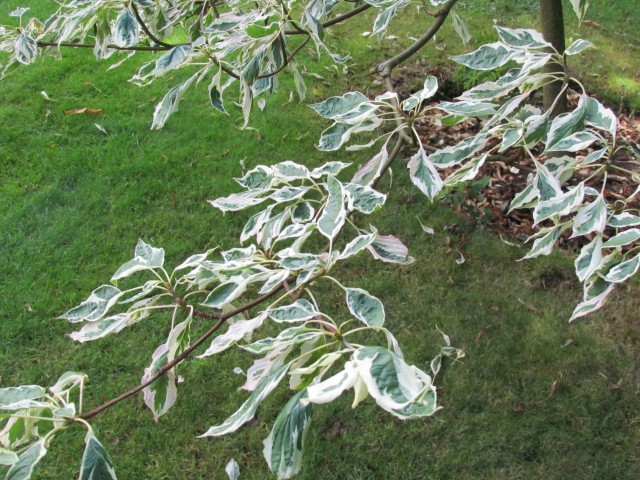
x: 552, y: 25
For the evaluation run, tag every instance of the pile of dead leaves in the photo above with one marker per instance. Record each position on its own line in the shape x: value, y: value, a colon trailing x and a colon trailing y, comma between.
x: 506, y: 175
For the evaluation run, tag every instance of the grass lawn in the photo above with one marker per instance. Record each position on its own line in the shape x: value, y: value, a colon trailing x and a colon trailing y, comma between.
x: 534, y: 398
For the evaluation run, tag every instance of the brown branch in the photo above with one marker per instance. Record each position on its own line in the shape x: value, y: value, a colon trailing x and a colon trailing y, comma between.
x: 114, y: 47
x: 221, y: 320
x: 287, y: 60
x: 440, y: 17
x: 335, y: 20
x: 146, y: 29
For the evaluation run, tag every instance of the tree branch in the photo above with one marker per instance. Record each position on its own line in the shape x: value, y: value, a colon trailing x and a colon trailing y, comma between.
x: 393, y: 62
x: 221, y: 320
x: 335, y: 20
x: 155, y: 39
x: 159, y: 48
x: 287, y: 61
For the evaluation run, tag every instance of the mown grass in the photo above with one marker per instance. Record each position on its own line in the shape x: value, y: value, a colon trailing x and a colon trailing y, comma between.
x: 75, y: 201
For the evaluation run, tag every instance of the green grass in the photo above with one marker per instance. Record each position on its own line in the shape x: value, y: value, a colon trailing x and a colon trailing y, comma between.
x: 75, y: 201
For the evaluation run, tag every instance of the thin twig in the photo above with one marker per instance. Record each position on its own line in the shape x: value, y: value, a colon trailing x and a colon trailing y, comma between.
x: 146, y: 29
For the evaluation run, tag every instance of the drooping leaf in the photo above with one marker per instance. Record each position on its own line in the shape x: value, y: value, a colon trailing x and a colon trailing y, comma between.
x: 402, y: 390
x: 27, y: 462
x: 590, y: 218
x: 249, y: 407
x: 126, y: 29
x: 25, y: 48
x: 96, y: 463
x: 560, y: 205
x: 284, y: 445
x: 171, y: 60
x: 334, y: 212
x: 589, y: 260
x: 163, y: 392
x: 424, y: 175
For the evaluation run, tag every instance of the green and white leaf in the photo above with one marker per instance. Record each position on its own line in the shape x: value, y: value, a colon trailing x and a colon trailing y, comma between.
x: 299, y: 311
x: 104, y: 327
x: 334, y: 212
x: 236, y: 332
x: 597, y: 115
x: 126, y: 29
x: 255, y: 223
x: 96, y: 306
x: 424, y: 175
x: 329, y: 168
x: 365, y: 307
x: 25, y: 48
x: 624, y: 271
x: 226, y: 293
x: 522, y: 38
x: 558, y: 206
x: 624, y: 219
x: 303, y: 213
x: 455, y: 154
x: 402, y: 390
x: 589, y: 260
x: 248, y: 409
x: 236, y: 202
x: 467, y: 172
x: 578, y: 46
x: 288, y: 337
x: 284, y: 445
x: 96, y: 463
x: 388, y: 248
x: 364, y: 198
x: 428, y: 90
x: 163, y: 392
x: 169, y: 104
x: 145, y: 257
x: 461, y: 28
x: 544, y: 244
x: 171, y: 60
x: 358, y: 244
x: 7, y: 457
x: 27, y: 462
x: 623, y: 238
x: 590, y: 218
x: 14, y: 398
x: 335, y: 107
x: 574, y: 143
x: 487, y: 57
x: 289, y: 171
